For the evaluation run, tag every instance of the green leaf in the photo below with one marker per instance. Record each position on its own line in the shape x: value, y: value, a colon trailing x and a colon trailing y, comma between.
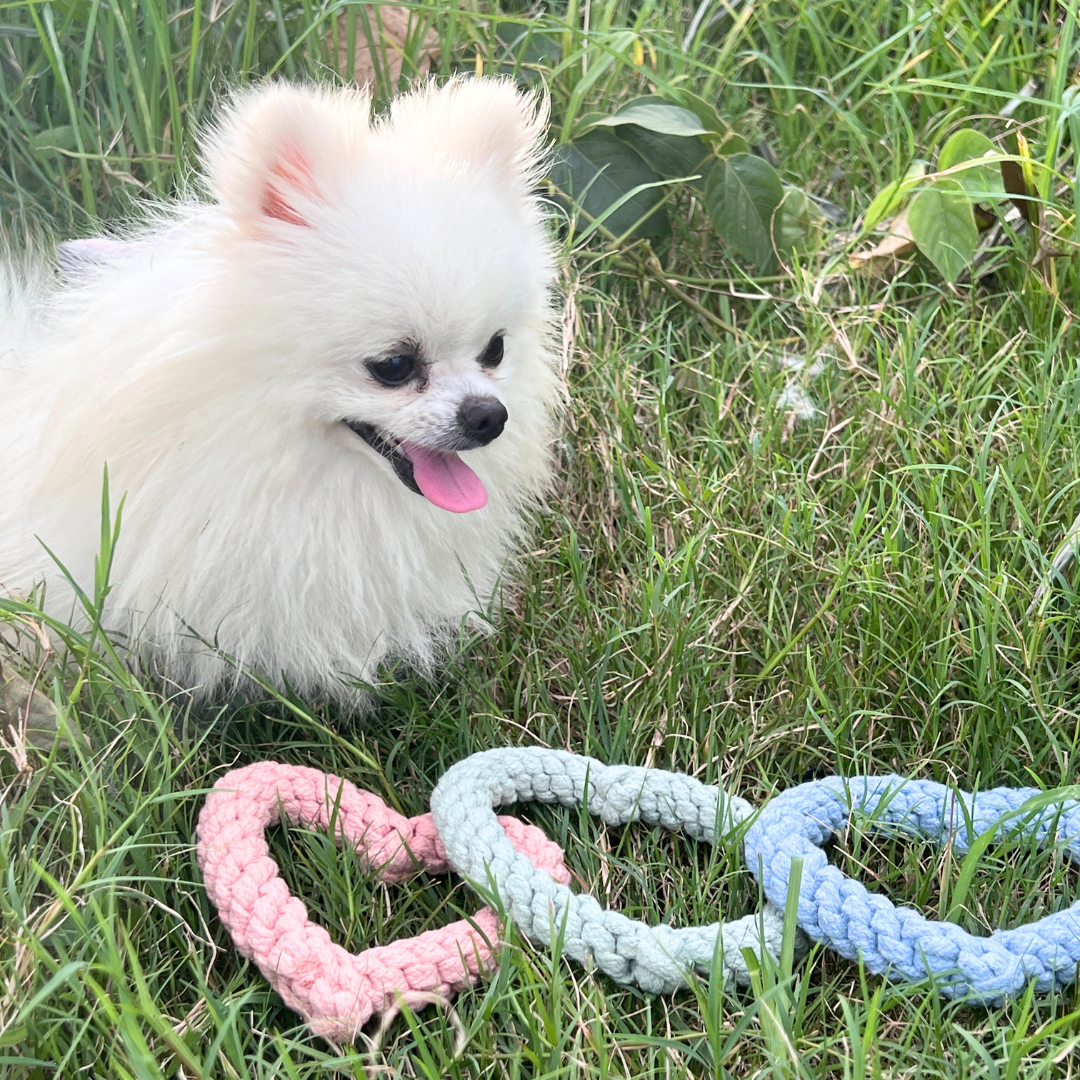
x: 526, y: 50
x: 799, y: 218
x: 668, y: 155
x: 728, y: 144
x: 719, y: 134
x: 980, y: 181
x: 742, y: 198
x: 76, y: 10
x: 887, y: 201
x: 943, y: 226
x: 665, y: 135
x: 707, y: 115
x: 598, y: 170
x: 53, y: 139
x: 963, y: 146
x: 586, y: 122
x: 656, y: 115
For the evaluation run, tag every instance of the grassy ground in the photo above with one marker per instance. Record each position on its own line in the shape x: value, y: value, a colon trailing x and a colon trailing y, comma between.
x: 717, y: 585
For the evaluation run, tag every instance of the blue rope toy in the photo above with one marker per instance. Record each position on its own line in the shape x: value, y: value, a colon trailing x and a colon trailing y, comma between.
x: 844, y: 916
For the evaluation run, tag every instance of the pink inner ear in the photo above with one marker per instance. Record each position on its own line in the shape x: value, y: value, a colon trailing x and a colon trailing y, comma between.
x: 294, y: 170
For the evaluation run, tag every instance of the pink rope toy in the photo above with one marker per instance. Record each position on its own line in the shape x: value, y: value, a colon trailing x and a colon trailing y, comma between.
x: 335, y: 991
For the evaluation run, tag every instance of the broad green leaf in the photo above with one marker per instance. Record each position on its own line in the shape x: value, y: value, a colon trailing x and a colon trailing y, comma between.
x: 742, y: 198
x: 598, y: 170
x: 669, y: 155
x: 53, y: 139
x: 665, y: 135
x: 963, y: 146
x: 943, y: 226
x: 887, y: 201
x: 980, y: 181
x: 728, y: 144
x: 656, y: 115
x: 719, y: 133
x: 799, y: 218
x: 707, y: 115
x: 586, y: 122
x: 527, y: 50
x: 76, y: 10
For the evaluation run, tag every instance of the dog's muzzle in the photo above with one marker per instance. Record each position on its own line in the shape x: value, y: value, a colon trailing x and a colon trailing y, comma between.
x: 436, y: 472
x: 393, y: 453
x: 480, y: 421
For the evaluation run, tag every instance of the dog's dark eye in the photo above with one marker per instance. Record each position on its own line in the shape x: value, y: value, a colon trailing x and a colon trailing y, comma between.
x: 394, y: 370
x: 493, y: 353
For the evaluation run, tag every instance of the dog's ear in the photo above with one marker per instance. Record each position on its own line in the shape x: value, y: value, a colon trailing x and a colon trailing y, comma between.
x: 486, y: 121
x: 281, y: 151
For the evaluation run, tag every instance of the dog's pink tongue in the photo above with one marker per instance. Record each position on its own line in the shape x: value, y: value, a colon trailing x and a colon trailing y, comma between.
x: 445, y: 479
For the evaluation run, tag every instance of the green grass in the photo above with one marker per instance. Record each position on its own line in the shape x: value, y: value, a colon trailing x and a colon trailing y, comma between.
x: 715, y: 586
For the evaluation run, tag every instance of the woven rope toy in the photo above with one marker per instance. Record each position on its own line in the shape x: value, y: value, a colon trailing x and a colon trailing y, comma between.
x: 658, y: 959
x: 335, y: 991
x: 841, y: 913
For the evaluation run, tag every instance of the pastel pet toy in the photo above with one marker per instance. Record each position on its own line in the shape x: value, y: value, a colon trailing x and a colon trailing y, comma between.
x: 900, y: 942
x: 335, y: 991
x: 658, y: 959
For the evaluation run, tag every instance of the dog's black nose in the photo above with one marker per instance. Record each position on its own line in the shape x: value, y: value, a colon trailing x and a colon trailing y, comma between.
x: 481, y: 419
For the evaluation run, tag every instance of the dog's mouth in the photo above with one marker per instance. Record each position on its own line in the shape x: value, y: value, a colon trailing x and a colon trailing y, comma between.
x: 439, y: 475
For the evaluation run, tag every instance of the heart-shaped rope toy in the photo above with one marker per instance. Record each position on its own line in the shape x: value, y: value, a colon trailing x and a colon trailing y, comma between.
x: 658, y: 959
x: 335, y: 991
x: 843, y: 915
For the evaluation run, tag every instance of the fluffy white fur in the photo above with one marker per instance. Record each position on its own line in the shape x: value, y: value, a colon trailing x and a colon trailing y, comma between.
x: 211, y: 360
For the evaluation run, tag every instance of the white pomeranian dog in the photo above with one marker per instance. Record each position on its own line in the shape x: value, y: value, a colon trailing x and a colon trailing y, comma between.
x: 328, y: 393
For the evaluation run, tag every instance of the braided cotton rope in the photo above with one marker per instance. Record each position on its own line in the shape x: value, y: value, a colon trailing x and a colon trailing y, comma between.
x: 659, y: 958
x: 841, y: 913
x: 335, y: 991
